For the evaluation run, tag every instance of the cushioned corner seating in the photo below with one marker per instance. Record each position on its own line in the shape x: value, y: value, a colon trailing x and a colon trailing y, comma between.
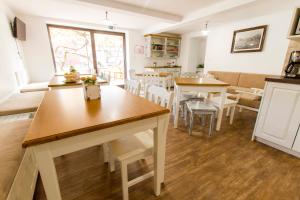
x: 34, y: 87
x: 17, y: 170
x: 243, y: 83
x: 21, y: 103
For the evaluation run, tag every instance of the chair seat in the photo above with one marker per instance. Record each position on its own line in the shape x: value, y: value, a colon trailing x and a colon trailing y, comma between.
x: 21, y: 103
x: 227, y: 103
x: 200, y: 106
x: 248, y: 100
x: 127, y: 147
x: 11, y: 153
x: 34, y: 87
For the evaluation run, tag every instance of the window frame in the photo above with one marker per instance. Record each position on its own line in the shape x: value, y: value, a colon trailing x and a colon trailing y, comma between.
x: 92, y: 35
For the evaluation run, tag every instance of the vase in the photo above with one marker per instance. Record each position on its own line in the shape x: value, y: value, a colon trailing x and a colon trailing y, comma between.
x: 92, y: 92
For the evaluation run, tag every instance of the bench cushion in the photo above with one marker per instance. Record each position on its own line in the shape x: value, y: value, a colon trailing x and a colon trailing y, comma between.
x: 231, y: 78
x: 252, y: 80
x: 34, y: 87
x: 21, y: 103
x: 11, y: 152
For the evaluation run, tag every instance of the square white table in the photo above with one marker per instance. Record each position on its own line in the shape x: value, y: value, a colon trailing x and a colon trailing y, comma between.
x: 66, y: 123
x: 199, y: 85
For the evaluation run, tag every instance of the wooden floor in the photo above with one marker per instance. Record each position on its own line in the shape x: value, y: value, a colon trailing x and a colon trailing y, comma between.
x: 225, y: 166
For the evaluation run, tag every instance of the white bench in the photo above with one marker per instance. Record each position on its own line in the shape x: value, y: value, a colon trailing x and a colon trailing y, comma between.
x: 18, y: 172
x: 21, y: 103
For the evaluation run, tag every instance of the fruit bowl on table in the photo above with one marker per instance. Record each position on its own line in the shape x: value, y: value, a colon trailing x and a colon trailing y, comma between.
x: 71, y: 78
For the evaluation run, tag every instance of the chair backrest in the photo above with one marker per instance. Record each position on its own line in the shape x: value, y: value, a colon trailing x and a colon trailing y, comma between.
x: 160, y: 95
x: 132, y: 74
x: 151, y: 78
x: 133, y: 86
x: 190, y: 75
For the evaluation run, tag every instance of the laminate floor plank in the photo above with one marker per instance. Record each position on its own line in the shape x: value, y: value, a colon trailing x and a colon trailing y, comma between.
x: 227, y: 165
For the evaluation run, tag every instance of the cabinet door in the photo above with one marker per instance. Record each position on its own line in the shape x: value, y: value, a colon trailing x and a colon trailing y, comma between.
x: 280, y: 114
x: 296, y: 146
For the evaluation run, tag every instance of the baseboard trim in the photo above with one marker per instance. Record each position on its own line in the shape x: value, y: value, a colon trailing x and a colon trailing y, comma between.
x: 276, y: 146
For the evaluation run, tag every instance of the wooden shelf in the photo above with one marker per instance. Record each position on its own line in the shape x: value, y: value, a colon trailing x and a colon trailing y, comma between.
x: 294, y: 24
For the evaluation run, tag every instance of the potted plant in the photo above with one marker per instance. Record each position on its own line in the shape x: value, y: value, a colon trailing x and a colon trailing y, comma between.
x: 200, y: 66
x: 91, y: 88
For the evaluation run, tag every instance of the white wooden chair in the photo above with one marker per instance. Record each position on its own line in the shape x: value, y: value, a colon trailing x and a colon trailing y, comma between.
x: 229, y: 104
x: 132, y: 74
x: 138, y: 146
x: 133, y: 86
x: 190, y: 75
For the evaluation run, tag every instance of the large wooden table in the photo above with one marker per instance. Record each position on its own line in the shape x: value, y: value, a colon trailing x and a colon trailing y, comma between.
x: 58, y: 82
x: 66, y: 123
x: 199, y: 85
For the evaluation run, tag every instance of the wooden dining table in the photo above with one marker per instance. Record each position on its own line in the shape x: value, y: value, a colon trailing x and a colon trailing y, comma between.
x: 207, y: 85
x: 58, y: 82
x: 65, y: 122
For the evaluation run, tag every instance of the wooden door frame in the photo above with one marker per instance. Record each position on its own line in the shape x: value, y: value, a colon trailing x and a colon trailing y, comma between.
x: 92, y: 35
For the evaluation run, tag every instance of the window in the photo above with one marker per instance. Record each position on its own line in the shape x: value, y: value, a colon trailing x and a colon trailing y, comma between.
x: 88, y: 51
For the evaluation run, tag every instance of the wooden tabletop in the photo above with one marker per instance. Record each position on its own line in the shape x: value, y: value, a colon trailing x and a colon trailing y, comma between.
x: 65, y: 113
x: 159, y: 67
x: 59, y: 81
x: 161, y: 74
x: 199, y: 82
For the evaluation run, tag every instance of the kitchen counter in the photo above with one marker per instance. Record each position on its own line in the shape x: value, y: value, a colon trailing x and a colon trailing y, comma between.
x: 157, y: 67
x: 281, y: 79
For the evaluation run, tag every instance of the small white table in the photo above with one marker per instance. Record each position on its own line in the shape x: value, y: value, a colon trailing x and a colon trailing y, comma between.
x: 199, y: 85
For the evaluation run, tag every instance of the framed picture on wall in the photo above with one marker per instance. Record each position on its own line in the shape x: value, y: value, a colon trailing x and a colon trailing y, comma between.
x: 298, y: 28
x: 249, y: 40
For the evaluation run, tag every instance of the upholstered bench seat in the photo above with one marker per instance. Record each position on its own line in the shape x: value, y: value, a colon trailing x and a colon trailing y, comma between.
x: 11, y: 153
x: 34, y: 87
x: 21, y: 103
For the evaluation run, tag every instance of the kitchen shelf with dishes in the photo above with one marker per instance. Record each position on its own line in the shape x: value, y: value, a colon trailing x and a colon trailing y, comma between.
x: 162, y: 46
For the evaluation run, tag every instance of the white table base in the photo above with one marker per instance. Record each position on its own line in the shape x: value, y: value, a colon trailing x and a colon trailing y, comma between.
x: 45, y: 153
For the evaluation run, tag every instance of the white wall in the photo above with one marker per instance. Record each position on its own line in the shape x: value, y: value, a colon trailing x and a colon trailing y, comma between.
x: 269, y: 61
x: 38, y: 54
x: 10, y: 61
x: 136, y: 61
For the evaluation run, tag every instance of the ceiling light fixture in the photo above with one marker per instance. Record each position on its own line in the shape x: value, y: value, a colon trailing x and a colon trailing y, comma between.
x: 205, y: 31
x: 107, y: 22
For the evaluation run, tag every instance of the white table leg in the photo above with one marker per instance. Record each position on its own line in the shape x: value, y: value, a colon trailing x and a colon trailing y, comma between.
x: 176, y: 108
x: 46, y: 167
x: 160, y: 135
x: 232, y: 114
x: 221, y: 109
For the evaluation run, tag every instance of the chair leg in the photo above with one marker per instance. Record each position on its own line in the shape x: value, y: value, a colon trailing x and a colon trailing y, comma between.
x: 212, y: 118
x: 112, y: 166
x: 191, y: 123
x: 241, y: 109
x: 228, y: 112
x: 105, y: 152
x: 232, y: 114
x: 124, y: 174
x: 202, y: 118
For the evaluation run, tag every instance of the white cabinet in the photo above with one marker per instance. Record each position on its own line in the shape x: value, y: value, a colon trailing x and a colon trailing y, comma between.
x: 279, y: 115
x: 296, y: 146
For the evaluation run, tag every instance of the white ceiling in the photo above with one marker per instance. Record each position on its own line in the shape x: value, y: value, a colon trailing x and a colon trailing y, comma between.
x: 71, y: 10
x: 151, y: 16
x: 179, y: 7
